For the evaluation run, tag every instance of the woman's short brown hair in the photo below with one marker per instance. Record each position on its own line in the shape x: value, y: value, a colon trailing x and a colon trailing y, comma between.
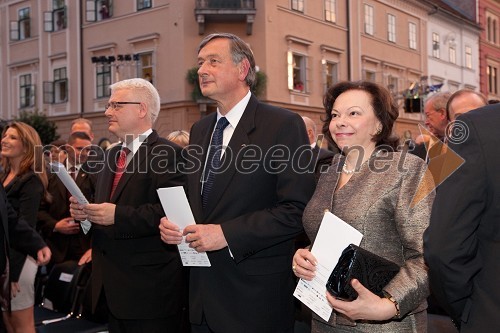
x: 383, y: 104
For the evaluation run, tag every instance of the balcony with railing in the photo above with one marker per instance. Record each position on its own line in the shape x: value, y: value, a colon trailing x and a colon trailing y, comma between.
x: 225, y: 11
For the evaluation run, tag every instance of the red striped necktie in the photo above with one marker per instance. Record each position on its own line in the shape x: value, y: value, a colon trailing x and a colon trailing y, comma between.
x: 121, y: 164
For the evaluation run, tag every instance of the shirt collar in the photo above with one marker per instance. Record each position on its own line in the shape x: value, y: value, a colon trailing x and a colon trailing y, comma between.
x: 134, y: 145
x: 234, y: 115
x: 69, y: 165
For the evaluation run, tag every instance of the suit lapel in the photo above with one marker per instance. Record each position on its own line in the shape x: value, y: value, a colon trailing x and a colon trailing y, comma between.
x: 80, y: 178
x: 200, y: 155
x: 239, y: 140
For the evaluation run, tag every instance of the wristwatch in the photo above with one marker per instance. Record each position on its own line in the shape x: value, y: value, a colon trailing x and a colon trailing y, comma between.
x: 396, y: 305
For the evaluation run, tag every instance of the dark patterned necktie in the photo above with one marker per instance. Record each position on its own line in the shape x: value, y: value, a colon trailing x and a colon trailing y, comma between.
x: 72, y: 172
x: 213, y: 160
x: 121, y: 163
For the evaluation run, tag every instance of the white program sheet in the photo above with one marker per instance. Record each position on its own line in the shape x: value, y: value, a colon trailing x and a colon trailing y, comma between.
x: 334, y: 235
x: 60, y: 170
x: 178, y: 211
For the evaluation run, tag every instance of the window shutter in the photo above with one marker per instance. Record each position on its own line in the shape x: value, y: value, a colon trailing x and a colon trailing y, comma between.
x: 91, y: 11
x: 14, y: 30
x: 48, y: 22
x: 32, y: 95
x: 289, y: 59
x: 307, y: 74
x: 110, y: 8
x: 48, y: 92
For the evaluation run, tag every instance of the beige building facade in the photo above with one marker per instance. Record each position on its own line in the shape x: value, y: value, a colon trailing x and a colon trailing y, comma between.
x: 59, y: 56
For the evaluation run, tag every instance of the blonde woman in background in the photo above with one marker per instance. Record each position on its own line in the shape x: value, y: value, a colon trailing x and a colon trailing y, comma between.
x: 180, y: 137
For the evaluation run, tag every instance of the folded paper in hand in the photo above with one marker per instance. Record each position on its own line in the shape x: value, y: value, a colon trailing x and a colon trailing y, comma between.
x: 60, y: 170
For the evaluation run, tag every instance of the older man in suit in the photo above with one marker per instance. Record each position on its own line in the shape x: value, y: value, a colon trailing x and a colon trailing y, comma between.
x: 64, y: 237
x: 462, y: 242
x: 247, y: 198
x: 320, y: 158
x: 436, y: 121
x: 138, y: 276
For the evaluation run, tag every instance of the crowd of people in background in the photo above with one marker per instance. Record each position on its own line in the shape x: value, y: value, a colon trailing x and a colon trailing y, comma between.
x: 432, y: 213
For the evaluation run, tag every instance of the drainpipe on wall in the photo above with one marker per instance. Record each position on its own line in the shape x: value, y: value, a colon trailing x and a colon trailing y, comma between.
x: 348, y: 21
x: 80, y: 56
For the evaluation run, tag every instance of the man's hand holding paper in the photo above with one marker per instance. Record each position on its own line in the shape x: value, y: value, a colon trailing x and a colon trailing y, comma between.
x: 170, y: 232
x: 191, y: 239
x: 75, y: 191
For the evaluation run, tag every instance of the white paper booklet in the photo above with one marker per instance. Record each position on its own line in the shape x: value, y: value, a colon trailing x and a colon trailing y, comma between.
x: 177, y: 209
x: 334, y: 235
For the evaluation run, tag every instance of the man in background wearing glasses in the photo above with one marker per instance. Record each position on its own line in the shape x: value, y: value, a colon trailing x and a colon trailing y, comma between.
x: 134, y: 272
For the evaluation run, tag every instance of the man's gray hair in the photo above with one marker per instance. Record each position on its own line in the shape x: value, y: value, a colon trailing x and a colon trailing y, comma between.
x: 439, y: 100
x: 144, y: 92
x: 239, y: 51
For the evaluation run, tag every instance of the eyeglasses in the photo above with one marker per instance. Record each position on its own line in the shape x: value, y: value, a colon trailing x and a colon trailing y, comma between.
x: 114, y: 105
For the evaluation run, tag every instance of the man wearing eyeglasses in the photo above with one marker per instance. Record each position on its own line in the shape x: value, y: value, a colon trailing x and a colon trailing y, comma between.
x: 134, y: 272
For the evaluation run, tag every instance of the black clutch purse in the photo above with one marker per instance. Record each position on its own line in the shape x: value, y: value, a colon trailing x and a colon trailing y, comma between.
x: 373, y: 271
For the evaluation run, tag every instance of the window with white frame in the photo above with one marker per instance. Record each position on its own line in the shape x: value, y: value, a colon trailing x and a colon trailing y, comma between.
x: 144, y: 4
x: 435, y: 45
x: 103, y: 80
x: 453, y: 54
x: 298, y: 5
x: 297, y: 71
x: 26, y: 91
x: 492, y: 28
x: 98, y: 10
x: 21, y: 29
x: 56, y: 19
x: 330, y: 12
x: 391, y: 28
x: 368, y: 19
x: 331, y: 74
x: 56, y: 91
x: 145, y: 66
x: 492, y: 73
x: 468, y: 57
x: 412, y: 35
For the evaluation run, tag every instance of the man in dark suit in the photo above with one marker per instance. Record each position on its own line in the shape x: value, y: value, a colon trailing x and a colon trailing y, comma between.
x: 462, y: 242
x: 436, y: 121
x: 65, y: 237
x: 320, y: 157
x: 95, y: 154
x: 133, y: 271
x: 462, y: 101
x: 250, y: 210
